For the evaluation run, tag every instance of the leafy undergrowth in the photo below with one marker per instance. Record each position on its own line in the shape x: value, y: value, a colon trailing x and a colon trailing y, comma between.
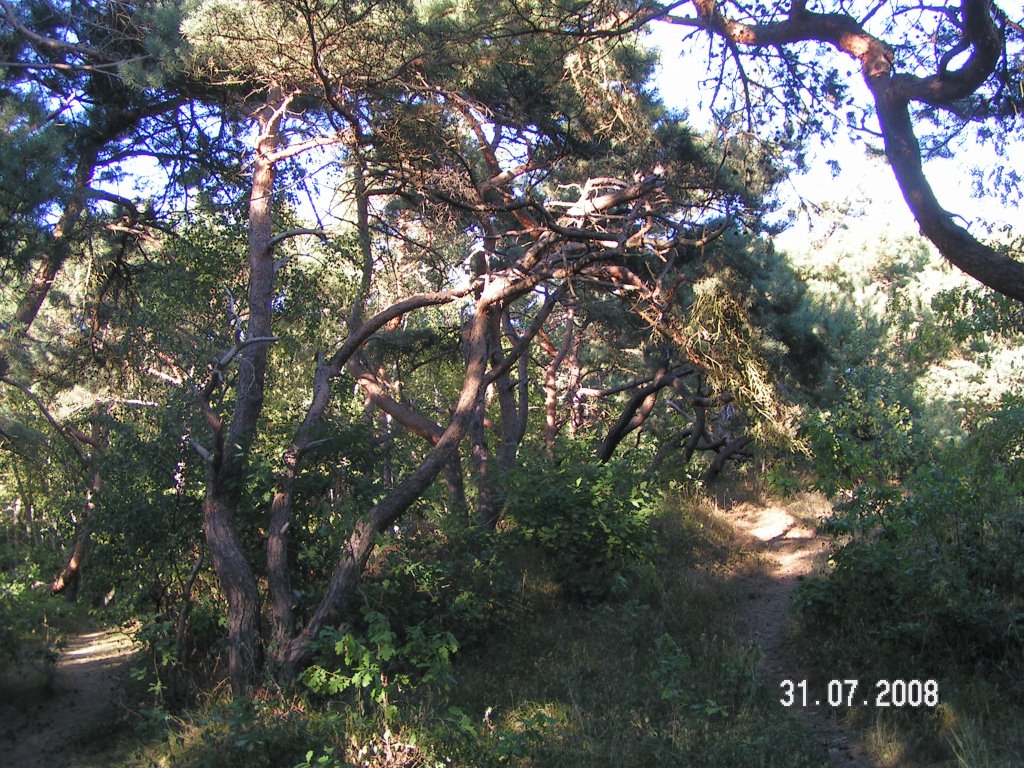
x: 927, y: 587
x: 648, y: 673
x: 978, y: 721
x: 33, y: 625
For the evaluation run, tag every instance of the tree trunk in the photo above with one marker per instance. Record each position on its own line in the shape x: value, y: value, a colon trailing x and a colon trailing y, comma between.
x: 237, y: 584
x: 512, y: 405
x: 377, y: 393
x: 698, y: 429
x: 227, y: 470
x: 296, y: 654
x: 69, y: 579
x: 729, y: 450
x: 636, y: 412
x: 480, y: 452
x: 577, y: 407
x: 509, y: 393
x: 60, y: 242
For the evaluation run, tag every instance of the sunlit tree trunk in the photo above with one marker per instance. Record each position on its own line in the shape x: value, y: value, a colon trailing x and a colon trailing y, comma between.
x: 70, y: 577
x: 227, y: 471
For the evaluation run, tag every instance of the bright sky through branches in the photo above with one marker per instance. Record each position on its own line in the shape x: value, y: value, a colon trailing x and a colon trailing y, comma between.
x: 866, y: 182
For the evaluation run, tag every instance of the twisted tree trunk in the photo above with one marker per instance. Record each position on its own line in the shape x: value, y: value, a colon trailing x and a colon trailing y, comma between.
x: 228, y: 464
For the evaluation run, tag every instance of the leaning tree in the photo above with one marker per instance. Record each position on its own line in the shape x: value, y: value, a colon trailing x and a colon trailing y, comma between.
x: 937, y: 74
x: 484, y: 168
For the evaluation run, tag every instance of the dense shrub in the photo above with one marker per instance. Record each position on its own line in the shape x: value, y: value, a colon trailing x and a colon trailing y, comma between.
x: 590, y: 522
x: 376, y: 664
x: 932, y: 572
x: 27, y: 616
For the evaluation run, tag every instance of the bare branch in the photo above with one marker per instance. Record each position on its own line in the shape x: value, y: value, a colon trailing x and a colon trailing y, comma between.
x: 304, y: 146
x: 277, y: 239
x: 71, y: 437
x: 203, y: 453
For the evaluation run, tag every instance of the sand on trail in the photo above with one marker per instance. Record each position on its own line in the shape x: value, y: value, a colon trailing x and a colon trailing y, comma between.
x: 72, y: 721
x: 787, y: 548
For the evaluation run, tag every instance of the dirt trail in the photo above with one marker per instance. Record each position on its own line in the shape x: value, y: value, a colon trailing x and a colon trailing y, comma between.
x: 788, y: 549
x: 74, y: 720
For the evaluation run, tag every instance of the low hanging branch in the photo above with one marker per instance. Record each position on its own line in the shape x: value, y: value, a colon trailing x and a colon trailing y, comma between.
x: 730, y: 449
x: 72, y: 436
x: 637, y: 410
x: 981, y: 38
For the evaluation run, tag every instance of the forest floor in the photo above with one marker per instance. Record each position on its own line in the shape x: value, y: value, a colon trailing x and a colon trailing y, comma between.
x: 782, y: 536
x: 72, y: 715
x: 75, y: 718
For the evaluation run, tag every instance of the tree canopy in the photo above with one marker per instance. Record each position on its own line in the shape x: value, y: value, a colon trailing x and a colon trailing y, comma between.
x: 274, y: 268
x: 939, y: 78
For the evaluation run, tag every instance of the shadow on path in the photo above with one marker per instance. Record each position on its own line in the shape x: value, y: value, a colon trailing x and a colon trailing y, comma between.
x: 72, y: 721
x: 788, y: 549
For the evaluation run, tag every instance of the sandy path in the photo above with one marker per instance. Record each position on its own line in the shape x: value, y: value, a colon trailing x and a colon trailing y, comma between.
x: 73, y: 724
x: 788, y: 550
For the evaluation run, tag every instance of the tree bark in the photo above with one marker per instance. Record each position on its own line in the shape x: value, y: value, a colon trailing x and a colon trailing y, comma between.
x: 237, y: 583
x: 727, y: 451
x: 70, y: 577
x: 697, y: 432
x: 577, y: 407
x: 510, y: 399
x: 636, y: 412
x: 416, y: 423
x: 297, y: 653
x: 480, y: 453
x: 227, y: 470
x: 892, y: 94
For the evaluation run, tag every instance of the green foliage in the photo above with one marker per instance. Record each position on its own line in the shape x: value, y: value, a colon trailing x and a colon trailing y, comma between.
x: 867, y: 436
x: 967, y: 313
x: 446, y: 578
x: 377, y: 665
x: 651, y: 678
x: 31, y: 171
x: 27, y: 631
x: 590, y: 520
x: 266, y: 732
x: 932, y: 576
x: 912, y: 433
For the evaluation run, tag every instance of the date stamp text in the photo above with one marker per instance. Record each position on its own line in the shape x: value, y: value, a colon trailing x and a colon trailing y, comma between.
x: 851, y: 693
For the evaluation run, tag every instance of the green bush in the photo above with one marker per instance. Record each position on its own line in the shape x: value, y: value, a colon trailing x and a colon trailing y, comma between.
x: 589, y: 520
x: 31, y: 622
x: 934, y: 570
x: 444, y: 577
x: 377, y: 665
x: 867, y: 437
